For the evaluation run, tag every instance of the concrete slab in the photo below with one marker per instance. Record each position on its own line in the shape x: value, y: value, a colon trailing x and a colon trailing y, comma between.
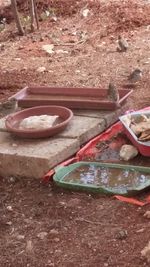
x: 108, y: 116
x: 33, y: 158
x: 83, y: 128
x: 77, y: 128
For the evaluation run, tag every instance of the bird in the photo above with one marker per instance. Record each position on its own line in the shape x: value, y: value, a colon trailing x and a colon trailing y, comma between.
x: 123, y: 45
x: 135, y: 76
x: 113, y: 93
x: 10, y: 104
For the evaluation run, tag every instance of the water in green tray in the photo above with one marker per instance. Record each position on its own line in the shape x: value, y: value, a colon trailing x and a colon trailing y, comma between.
x: 111, y: 178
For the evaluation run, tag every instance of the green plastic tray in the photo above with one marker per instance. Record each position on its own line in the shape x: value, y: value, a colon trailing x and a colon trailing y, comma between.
x: 61, y: 172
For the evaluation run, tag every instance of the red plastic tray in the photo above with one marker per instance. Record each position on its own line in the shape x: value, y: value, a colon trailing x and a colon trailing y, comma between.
x: 89, y: 150
x: 143, y: 147
x: 78, y: 98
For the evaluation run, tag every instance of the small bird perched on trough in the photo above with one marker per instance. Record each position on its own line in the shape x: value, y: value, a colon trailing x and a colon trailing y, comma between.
x: 113, y: 93
x: 10, y: 104
x: 135, y: 76
x: 123, y: 45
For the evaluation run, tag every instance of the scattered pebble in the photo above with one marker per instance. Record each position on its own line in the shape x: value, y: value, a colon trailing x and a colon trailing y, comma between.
x: 48, y: 48
x: 41, y: 39
x: 62, y: 203
x: 9, y: 223
x: 85, y: 12
x: 20, y: 237
x: 9, y: 208
x: 42, y: 235
x: 54, y: 232
x: 17, y: 58
x: 61, y: 51
x: 146, y: 252
x: 12, y: 179
x: 140, y: 230
x: 20, y: 47
x: 41, y: 69
x: 128, y: 152
x: 147, y: 214
x: 53, y: 19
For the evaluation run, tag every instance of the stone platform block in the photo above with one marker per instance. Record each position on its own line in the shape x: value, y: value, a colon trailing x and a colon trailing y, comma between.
x: 33, y: 158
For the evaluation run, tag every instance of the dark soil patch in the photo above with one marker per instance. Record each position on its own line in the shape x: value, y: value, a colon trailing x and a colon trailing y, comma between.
x: 79, y: 229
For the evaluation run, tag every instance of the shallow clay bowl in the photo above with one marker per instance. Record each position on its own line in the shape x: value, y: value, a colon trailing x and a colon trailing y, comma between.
x: 12, y: 121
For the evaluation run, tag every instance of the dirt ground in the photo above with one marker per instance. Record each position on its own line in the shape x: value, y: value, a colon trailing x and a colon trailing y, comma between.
x: 41, y: 225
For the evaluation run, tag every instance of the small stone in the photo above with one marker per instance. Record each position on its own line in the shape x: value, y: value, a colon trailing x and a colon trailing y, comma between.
x: 41, y: 69
x: 147, y: 214
x: 53, y: 19
x: 9, y: 208
x: 140, y: 230
x: 20, y: 47
x: 48, y: 48
x: 9, y: 223
x: 61, y: 51
x: 128, y: 152
x: 62, y: 203
x: 85, y: 12
x: 41, y: 39
x: 12, y: 179
x: 42, y: 235
x: 20, y: 237
x: 146, y: 252
x: 106, y: 264
x: 54, y: 232
x: 77, y: 71
x: 17, y: 58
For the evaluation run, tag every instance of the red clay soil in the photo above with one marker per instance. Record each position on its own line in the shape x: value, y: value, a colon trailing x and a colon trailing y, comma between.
x: 41, y: 225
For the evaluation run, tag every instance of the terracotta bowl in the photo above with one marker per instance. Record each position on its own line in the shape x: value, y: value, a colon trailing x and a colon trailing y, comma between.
x: 12, y: 121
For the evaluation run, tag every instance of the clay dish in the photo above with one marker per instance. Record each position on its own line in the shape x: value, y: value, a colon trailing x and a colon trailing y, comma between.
x: 12, y: 121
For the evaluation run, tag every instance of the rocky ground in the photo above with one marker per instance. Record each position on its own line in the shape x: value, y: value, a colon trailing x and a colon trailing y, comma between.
x: 41, y: 225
